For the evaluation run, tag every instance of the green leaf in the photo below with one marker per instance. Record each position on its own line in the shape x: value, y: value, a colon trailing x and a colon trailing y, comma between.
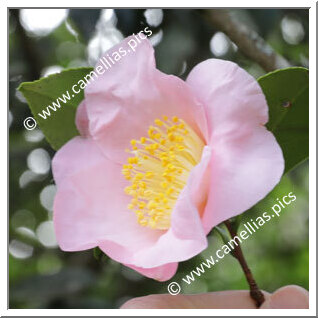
x: 287, y: 95
x: 59, y: 127
x: 97, y: 253
x: 235, y: 222
x: 223, y: 234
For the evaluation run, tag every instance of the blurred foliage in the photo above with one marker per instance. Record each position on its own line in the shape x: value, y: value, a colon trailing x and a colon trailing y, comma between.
x: 41, y: 275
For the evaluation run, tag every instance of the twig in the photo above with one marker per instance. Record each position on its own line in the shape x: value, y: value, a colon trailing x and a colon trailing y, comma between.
x: 255, y: 292
x: 247, y: 40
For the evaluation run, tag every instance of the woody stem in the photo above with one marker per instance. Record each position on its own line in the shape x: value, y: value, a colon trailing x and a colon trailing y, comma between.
x: 255, y: 292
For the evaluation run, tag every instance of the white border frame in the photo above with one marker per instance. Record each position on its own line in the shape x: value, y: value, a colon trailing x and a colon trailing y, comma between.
x: 312, y: 163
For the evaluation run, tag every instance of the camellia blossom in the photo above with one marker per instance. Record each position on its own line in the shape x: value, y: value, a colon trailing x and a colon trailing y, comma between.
x: 161, y: 161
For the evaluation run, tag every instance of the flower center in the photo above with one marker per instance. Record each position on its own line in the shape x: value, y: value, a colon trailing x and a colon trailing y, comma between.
x: 159, y: 169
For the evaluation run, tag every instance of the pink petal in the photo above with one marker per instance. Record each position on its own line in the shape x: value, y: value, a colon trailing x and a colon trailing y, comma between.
x: 244, y: 169
x: 124, y: 101
x: 161, y: 273
x: 246, y: 161
x: 231, y: 96
x: 81, y: 119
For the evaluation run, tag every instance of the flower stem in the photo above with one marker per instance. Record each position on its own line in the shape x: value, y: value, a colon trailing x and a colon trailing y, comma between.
x: 255, y: 292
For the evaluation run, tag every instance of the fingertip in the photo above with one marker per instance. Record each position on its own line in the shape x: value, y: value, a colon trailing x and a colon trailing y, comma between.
x: 288, y: 297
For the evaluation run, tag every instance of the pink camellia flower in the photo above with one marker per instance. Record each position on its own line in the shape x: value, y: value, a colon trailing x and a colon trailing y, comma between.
x: 161, y: 161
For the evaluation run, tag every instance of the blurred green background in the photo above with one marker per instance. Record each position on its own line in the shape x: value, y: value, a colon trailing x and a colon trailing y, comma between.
x: 42, y: 42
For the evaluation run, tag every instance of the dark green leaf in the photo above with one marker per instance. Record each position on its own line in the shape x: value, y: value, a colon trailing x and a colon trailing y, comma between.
x: 287, y: 95
x: 97, y: 253
x: 223, y: 234
x: 60, y: 126
x: 235, y: 222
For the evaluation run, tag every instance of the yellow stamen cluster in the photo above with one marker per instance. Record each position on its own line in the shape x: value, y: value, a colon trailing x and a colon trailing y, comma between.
x: 159, y: 168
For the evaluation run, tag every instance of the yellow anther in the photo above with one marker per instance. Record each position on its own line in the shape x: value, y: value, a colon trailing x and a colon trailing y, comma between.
x: 170, y: 191
x: 152, y: 205
x: 132, y: 160
x: 143, y: 140
x: 151, y: 131
x: 149, y: 174
x: 180, y: 147
x: 158, y: 122
x: 141, y: 204
x: 168, y: 177
x: 171, y: 137
x: 161, y: 195
x: 179, y: 139
x: 164, y: 184
x: 164, y: 162
x: 142, y: 185
x: 139, y: 176
x: 172, y: 129
x: 143, y: 222
x: 175, y: 119
x: 127, y: 190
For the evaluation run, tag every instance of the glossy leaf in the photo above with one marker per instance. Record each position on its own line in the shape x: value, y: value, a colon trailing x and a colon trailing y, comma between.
x: 287, y: 95
x: 59, y: 127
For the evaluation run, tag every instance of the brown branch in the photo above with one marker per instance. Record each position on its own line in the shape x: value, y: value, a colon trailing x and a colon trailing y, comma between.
x: 247, y: 40
x: 255, y: 292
